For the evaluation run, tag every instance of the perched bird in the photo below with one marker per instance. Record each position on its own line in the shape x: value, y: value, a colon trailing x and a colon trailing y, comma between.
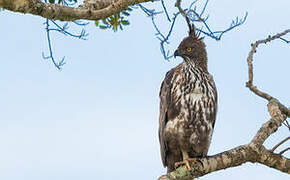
x: 188, y: 106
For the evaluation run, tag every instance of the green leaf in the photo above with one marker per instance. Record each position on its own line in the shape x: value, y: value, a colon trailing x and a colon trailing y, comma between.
x: 125, y: 22
x: 97, y: 22
x: 114, y: 22
x: 126, y: 13
x: 103, y: 27
x: 51, y: 1
x: 111, y: 20
x: 105, y: 21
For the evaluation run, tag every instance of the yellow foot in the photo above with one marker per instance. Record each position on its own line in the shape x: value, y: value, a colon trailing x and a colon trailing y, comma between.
x: 186, y: 163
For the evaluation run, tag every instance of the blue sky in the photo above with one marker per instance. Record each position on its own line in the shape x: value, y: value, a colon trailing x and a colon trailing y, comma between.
x: 98, y: 117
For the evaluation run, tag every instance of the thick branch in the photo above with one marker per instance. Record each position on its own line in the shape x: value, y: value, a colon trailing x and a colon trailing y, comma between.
x: 97, y: 4
x: 271, y: 126
x: 231, y: 158
x: 64, y: 13
x: 273, y: 160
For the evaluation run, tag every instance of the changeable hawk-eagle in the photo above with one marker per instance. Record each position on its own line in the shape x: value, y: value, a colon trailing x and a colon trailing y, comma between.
x: 188, y: 106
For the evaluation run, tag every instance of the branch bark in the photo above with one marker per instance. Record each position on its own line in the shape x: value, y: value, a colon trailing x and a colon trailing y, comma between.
x: 253, y: 152
x: 64, y: 13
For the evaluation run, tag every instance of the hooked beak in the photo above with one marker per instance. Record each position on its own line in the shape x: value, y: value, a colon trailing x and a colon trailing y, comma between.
x: 176, y: 54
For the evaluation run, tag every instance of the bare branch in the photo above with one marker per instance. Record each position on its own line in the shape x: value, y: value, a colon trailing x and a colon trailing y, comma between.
x: 194, y: 16
x: 282, y: 152
x: 279, y: 144
x: 190, y: 25
x: 187, y: 14
x: 287, y: 124
x: 59, y: 64
x: 163, y: 38
x: 191, y: 15
x: 64, y: 30
x: 249, y: 84
x: 285, y: 40
x: 165, y: 10
x: 65, y: 13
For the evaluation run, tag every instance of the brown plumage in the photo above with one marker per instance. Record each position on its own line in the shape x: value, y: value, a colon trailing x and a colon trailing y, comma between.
x: 188, y: 105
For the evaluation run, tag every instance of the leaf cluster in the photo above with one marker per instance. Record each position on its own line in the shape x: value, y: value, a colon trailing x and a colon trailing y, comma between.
x: 116, y: 21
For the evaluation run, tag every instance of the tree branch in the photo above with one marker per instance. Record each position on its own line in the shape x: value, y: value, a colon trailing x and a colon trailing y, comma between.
x: 249, y: 84
x: 64, y: 13
x: 253, y: 152
x: 279, y: 144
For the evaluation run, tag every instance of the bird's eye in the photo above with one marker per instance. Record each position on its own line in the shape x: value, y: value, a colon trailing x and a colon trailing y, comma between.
x: 188, y: 49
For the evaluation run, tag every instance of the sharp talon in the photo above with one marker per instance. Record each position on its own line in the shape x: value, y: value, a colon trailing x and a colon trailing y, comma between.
x: 186, y: 163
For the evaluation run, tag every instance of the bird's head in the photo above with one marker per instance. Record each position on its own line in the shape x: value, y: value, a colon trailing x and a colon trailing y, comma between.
x: 192, y: 50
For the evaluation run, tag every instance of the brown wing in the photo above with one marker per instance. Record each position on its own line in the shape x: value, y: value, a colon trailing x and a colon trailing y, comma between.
x: 165, y: 101
x: 212, y: 84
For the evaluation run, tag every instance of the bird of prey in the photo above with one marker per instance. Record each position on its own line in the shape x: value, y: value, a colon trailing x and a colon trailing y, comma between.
x: 188, y: 106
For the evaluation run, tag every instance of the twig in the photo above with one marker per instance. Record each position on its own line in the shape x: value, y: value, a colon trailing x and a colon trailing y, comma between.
x: 167, y: 56
x: 282, y: 152
x: 191, y: 15
x: 275, y: 147
x: 64, y: 30
x: 285, y: 40
x: 185, y: 15
x: 217, y: 35
x: 287, y: 124
x: 203, y: 9
x: 59, y: 64
x: 163, y: 38
x: 165, y: 10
